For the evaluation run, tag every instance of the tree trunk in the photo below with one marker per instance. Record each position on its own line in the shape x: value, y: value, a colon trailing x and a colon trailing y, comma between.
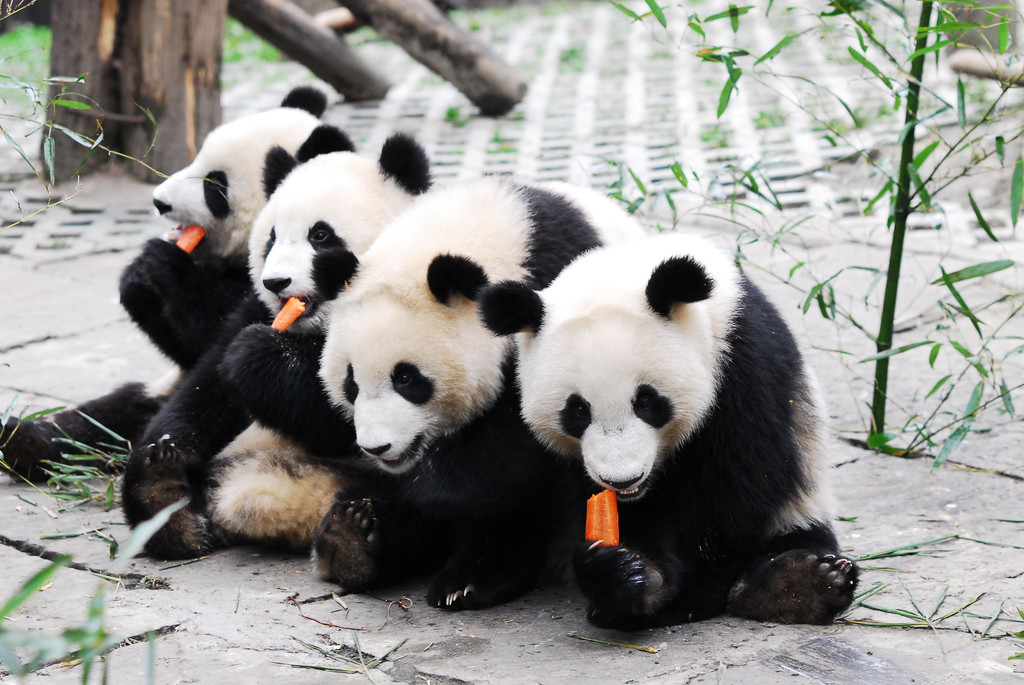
x: 144, y: 61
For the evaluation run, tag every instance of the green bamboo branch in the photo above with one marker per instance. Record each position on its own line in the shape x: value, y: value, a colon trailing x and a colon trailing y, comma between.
x: 900, y: 214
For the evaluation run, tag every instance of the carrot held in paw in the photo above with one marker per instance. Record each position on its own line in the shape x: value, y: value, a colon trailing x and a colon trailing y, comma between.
x: 190, y: 237
x: 603, y: 519
x: 291, y: 310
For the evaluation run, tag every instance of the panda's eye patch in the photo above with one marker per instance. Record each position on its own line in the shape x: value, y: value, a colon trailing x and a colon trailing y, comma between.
x: 575, y: 416
x: 321, y: 235
x: 270, y: 244
x: 651, y: 407
x: 215, y: 192
x: 350, y: 388
x: 409, y: 382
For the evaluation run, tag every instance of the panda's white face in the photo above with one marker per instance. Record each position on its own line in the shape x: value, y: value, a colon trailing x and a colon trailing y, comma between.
x: 607, y: 379
x: 222, y: 189
x: 406, y: 366
x: 333, y: 204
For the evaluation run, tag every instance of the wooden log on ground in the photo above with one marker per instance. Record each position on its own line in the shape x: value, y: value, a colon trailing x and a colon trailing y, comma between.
x: 290, y: 29
x: 432, y: 39
x: 987, y: 65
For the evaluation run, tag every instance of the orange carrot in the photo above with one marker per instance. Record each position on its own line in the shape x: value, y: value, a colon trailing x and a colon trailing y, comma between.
x: 190, y: 237
x: 603, y: 518
x: 289, y: 312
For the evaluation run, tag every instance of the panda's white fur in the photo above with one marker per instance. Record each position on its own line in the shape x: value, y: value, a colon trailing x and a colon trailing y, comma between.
x: 601, y: 340
x: 269, y: 489
x: 237, y: 149
x: 347, y: 191
x: 389, y: 316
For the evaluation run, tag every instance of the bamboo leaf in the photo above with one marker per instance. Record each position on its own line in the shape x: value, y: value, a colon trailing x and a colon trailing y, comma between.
x: 942, y: 381
x: 947, y: 447
x: 777, y: 48
x: 894, y: 351
x: 1004, y: 34
x: 49, y: 153
x: 961, y: 106
x: 981, y: 220
x: 964, y: 308
x: 628, y: 12
x: 1001, y: 150
x: 975, y: 271
x: 72, y: 104
x: 1016, y: 189
x: 867, y: 64
x: 677, y: 171
x: 934, y: 354
x: 656, y: 11
x: 925, y: 153
x: 1004, y: 392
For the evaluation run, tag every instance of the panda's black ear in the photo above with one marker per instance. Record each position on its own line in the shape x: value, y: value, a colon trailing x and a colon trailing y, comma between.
x: 449, y: 275
x: 324, y: 139
x: 308, y: 98
x: 511, y: 307
x: 278, y: 164
x: 405, y: 161
x: 678, y: 280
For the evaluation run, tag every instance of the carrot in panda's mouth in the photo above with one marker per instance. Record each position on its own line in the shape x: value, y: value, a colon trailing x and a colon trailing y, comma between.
x: 291, y: 311
x: 190, y: 237
x: 603, y: 519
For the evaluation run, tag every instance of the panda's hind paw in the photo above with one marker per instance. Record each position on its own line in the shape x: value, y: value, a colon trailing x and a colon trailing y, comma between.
x: 345, y: 545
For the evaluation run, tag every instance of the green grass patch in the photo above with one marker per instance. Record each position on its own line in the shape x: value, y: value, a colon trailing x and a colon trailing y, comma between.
x: 242, y: 45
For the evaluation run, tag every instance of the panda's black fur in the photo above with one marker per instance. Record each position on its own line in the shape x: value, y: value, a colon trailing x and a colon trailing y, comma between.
x: 487, y: 476
x: 199, y: 419
x: 178, y: 300
x: 367, y: 538
x: 733, y: 517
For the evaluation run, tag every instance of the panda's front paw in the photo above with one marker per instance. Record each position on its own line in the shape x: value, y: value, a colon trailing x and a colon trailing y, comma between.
x: 346, y: 544
x: 156, y: 478
x: 253, y: 353
x: 613, y: 575
x: 455, y: 591
x: 797, y: 586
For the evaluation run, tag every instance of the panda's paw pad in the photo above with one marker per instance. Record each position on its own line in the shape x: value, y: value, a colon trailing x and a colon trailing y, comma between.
x: 346, y: 544
x: 820, y: 585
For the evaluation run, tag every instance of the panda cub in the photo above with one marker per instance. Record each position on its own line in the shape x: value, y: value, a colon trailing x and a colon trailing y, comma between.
x: 266, y: 489
x: 177, y: 299
x: 303, y: 244
x: 666, y: 372
x: 430, y: 391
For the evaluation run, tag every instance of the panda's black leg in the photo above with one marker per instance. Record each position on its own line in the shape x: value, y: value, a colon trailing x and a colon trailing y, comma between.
x: 125, y: 412
x: 158, y: 475
x: 494, y: 563
x: 346, y: 544
x: 796, y: 586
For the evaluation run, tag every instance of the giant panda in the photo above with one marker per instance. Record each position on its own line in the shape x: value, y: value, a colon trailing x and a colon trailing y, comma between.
x: 663, y: 370
x: 430, y: 390
x: 177, y: 299
x: 320, y: 214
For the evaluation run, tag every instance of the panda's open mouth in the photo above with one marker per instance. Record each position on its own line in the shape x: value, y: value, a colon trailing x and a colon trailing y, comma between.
x: 311, y: 302
x: 405, y: 460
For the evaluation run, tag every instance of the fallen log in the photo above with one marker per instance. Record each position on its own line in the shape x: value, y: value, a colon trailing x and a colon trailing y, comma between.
x: 290, y: 29
x: 439, y: 44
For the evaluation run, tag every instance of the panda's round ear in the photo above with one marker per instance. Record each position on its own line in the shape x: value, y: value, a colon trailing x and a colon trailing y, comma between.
x: 323, y: 140
x: 511, y: 307
x: 450, y: 275
x: 677, y: 280
x: 405, y: 161
x: 307, y: 98
x: 278, y: 164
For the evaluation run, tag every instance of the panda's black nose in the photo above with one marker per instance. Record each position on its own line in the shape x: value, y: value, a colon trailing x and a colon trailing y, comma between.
x: 276, y: 285
x: 379, y: 450
x: 161, y: 206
